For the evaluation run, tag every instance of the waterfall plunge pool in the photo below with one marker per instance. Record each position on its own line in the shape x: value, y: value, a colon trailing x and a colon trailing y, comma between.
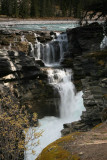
x: 71, y: 107
x: 71, y: 103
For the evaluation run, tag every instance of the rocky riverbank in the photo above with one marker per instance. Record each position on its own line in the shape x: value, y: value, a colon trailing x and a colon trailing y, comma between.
x: 79, y: 146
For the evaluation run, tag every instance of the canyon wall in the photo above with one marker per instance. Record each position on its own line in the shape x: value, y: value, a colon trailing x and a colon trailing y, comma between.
x: 25, y: 77
x: 89, y: 65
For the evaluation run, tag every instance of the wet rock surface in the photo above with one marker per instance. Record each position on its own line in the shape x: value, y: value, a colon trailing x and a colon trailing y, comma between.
x: 29, y: 83
x: 19, y: 40
x: 90, y: 74
x: 85, y: 39
x: 20, y: 72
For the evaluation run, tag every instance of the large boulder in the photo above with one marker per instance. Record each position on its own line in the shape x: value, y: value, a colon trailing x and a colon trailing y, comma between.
x: 85, y: 39
x: 44, y: 36
x: 89, y: 64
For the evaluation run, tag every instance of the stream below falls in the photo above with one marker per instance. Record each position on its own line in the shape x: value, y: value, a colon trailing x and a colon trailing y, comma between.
x: 71, y: 102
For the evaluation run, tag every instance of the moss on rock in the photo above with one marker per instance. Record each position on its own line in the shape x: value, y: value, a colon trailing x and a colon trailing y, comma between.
x: 56, y: 151
x: 22, y: 46
x: 98, y: 54
x: 30, y: 38
x: 101, y: 62
x: 105, y: 96
x: 97, y: 126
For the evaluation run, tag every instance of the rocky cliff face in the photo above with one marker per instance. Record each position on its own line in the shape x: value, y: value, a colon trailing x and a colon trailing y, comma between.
x: 24, y: 76
x: 19, y: 40
x: 28, y: 81
x: 89, y: 64
x: 85, y: 39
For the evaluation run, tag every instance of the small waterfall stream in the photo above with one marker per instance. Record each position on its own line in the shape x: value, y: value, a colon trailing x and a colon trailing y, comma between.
x: 61, y: 79
x: 71, y: 103
x: 51, y: 52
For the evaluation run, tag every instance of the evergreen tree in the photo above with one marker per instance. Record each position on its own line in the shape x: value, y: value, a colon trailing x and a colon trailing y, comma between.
x: 4, y: 7
x: 34, y: 8
x: 70, y: 8
x: 9, y: 8
x: 75, y: 7
x: 49, y: 9
x: 15, y: 9
x: 25, y: 8
x: 42, y: 8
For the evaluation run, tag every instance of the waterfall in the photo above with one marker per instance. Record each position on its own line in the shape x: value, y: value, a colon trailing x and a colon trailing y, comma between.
x: 10, y: 46
x: 69, y: 108
x: 23, y: 39
x: 31, y: 49
x: 51, y: 52
x: 104, y: 43
x: 71, y: 103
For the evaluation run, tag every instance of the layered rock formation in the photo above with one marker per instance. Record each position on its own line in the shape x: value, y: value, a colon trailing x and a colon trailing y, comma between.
x: 26, y: 77
x: 19, y: 40
x: 90, y: 74
x: 29, y: 83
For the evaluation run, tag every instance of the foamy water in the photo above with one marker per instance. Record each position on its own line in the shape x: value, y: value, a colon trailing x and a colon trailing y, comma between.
x: 71, y: 107
x: 71, y: 102
x: 39, y: 25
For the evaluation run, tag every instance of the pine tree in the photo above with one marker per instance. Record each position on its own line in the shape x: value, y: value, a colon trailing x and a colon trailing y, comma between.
x: 4, y: 7
x: 70, y: 8
x: 15, y: 9
x: 49, y: 9
x: 75, y: 7
x: 34, y: 8
x: 42, y: 8
x: 25, y: 8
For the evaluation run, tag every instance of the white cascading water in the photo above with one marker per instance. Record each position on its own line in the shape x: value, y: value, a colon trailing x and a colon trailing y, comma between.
x: 70, y: 107
x: 51, y: 52
x: 104, y: 43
